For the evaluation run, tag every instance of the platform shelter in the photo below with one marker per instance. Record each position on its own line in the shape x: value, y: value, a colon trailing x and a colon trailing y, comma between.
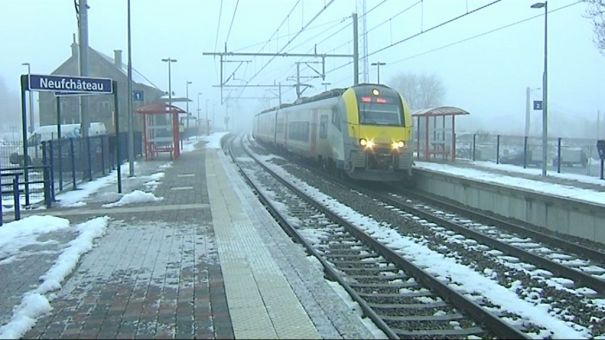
x: 436, y: 132
x: 161, y: 129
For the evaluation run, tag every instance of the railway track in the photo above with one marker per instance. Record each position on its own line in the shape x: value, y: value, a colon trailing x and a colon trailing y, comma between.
x: 564, y: 276
x: 584, y: 265
x: 400, y: 297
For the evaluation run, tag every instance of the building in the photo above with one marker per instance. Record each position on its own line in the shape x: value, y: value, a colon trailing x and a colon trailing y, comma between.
x: 99, y: 107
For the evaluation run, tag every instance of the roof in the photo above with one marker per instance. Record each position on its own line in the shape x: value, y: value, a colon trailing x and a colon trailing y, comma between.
x: 158, y: 108
x: 137, y: 77
x: 440, y: 111
x: 175, y: 99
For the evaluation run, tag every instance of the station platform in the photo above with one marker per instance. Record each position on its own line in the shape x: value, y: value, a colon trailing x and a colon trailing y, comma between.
x: 202, y: 259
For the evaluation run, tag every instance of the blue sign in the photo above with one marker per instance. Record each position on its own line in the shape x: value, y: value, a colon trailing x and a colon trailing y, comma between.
x: 537, y: 105
x: 70, y: 85
x: 137, y: 95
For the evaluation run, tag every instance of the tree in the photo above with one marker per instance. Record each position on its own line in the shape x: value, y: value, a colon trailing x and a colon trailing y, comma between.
x: 420, y: 91
x: 596, y: 11
x: 10, y: 110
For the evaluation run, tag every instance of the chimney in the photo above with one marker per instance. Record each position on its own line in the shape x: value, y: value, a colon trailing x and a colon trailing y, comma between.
x: 74, y: 47
x: 117, y: 58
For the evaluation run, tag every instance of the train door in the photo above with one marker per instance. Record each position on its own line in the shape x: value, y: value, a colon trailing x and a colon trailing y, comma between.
x: 313, y: 132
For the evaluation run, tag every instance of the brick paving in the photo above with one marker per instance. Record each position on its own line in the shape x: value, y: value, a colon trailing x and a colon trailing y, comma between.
x: 155, y: 274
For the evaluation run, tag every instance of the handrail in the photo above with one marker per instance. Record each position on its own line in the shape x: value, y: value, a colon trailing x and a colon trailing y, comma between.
x: 15, y: 173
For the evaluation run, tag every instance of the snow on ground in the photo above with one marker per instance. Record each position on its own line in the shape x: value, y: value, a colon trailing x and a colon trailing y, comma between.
x: 440, y: 266
x: 214, y: 140
x: 18, y: 234
x: 75, y: 198
x: 538, y: 172
x: 523, y: 183
x: 136, y: 196
x: 35, y: 303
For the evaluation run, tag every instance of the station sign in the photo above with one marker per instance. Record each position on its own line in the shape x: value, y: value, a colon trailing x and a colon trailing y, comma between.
x: 68, y: 85
x: 537, y: 105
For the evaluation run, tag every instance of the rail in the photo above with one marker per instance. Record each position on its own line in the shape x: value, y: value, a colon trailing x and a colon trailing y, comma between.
x: 492, y: 322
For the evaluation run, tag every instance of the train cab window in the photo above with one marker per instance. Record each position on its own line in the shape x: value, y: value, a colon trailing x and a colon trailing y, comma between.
x: 336, y: 118
x: 380, y: 110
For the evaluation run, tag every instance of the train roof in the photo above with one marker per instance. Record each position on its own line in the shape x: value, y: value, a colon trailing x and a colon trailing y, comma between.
x: 323, y: 95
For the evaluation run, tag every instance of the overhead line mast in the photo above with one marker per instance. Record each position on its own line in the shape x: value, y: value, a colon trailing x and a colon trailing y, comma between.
x: 355, y: 55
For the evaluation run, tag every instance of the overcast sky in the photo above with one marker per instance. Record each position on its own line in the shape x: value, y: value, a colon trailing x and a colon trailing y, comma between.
x: 486, y: 75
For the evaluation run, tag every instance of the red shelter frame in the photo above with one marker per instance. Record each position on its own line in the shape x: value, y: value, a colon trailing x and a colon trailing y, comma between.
x: 154, y: 142
x: 438, y: 143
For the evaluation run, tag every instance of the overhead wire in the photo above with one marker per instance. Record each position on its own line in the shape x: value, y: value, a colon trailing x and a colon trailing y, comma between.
x: 435, y: 27
x: 286, y: 35
x: 218, y: 26
x: 483, y: 34
x: 280, y: 25
x: 393, y: 16
x: 291, y: 40
x: 305, y: 27
x: 232, y: 20
x: 312, y: 48
x: 421, y: 32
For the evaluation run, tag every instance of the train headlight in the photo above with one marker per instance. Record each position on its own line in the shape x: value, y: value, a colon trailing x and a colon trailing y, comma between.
x: 398, y: 145
x: 368, y: 144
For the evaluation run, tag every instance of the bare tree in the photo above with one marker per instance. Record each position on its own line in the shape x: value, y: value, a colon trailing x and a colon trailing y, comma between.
x: 10, y: 109
x: 596, y: 11
x: 420, y: 91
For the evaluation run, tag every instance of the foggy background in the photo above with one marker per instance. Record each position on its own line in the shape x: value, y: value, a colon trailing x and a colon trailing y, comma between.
x: 483, y: 61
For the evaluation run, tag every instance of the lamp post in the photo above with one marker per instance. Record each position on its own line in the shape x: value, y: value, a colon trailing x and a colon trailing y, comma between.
x: 207, y: 121
x: 213, y: 121
x: 31, y: 102
x: 544, y: 86
x: 130, y: 117
x: 198, y: 112
x: 187, y: 104
x: 168, y: 60
x: 325, y: 84
x: 378, y: 64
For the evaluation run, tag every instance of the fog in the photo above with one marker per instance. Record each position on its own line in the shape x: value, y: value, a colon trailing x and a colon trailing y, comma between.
x: 486, y: 58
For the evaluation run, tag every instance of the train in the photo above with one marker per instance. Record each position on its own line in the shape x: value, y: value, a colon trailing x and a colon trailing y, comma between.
x: 363, y: 131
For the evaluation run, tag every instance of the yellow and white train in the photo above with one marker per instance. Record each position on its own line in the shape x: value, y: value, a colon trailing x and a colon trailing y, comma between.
x: 364, y: 131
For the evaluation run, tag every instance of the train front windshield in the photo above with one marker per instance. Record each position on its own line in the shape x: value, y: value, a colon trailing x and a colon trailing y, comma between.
x: 380, y: 110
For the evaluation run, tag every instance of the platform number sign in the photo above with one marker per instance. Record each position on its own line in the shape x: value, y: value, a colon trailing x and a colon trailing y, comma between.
x: 137, y: 95
x: 537, y: 105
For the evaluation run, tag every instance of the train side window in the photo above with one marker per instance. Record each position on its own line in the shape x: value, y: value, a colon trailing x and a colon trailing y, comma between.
x: 323, y: 126
x: 336, y: 118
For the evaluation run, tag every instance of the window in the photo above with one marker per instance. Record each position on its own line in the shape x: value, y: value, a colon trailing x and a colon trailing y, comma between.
x: 298, y: 131
x: 323, y: 126
x: 380, y: 111
x: 336, y: 117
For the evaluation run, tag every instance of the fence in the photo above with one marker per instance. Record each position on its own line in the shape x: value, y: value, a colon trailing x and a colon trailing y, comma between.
x: 564, y: 155
x: 59, y: 165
